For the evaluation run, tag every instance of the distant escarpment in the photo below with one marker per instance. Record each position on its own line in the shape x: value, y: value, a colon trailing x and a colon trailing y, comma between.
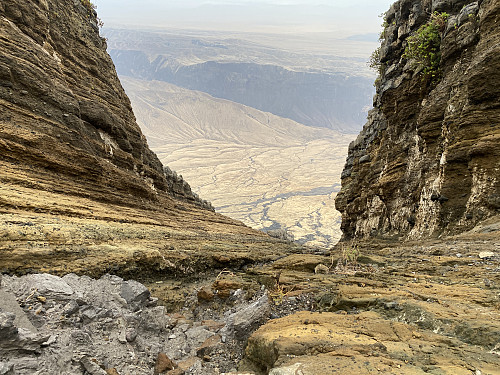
x: 427, y: 163
x: 332, y: 97
x: 332, y: 101
x: 80, y: 191
x: 63, y: 110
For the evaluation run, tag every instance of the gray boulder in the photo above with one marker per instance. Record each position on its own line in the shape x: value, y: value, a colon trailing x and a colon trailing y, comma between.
x: 50, y: 286
x: 135, y: 293
x: 244, y: 321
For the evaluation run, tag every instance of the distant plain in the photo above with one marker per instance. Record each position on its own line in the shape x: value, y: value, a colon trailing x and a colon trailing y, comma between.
x: 264, y: 170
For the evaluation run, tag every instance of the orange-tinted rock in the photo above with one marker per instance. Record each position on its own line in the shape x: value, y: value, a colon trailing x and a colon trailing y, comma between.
x: 208, y: 346
x: 366, y: 343
x: 212, y: 325
x: 163, y: 364
x: 184, y: 366
x: 223, y: 287
x: 205, y: 294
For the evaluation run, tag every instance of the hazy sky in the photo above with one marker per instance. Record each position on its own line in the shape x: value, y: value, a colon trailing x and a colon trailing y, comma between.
x: 346, y: 17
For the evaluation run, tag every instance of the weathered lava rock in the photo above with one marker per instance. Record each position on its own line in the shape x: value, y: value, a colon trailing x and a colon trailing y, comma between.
x: 433, y: 150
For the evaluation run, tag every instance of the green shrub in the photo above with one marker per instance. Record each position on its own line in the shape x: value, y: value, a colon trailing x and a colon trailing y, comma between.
x: 91, y: 8
x: 350, y: 254
x: 374, y: 61
x: 424, y: 47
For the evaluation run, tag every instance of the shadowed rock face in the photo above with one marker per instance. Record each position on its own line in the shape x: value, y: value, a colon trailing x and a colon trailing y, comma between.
x: 63, y: 109
x: 427, y: 161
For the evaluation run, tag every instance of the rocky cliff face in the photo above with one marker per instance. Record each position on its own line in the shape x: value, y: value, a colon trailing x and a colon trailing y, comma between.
x: 428, y: 160
x: 80, y: 191
x: 63, y: 110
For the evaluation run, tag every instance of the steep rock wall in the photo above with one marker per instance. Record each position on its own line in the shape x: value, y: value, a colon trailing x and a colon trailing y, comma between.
x: 80, y: 191
x: 427, y: 162
x: 63, y: 112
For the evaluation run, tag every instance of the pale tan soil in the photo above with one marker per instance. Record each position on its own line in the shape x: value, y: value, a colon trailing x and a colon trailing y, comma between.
x: 42, y: 231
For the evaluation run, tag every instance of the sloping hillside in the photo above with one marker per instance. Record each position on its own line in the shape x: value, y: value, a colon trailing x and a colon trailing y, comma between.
x: 80, y: 189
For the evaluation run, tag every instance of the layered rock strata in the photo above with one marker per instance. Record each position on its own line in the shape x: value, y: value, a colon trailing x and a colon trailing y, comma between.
x: 427, y: 161
x: 80, y: 191
x: 64, y: 114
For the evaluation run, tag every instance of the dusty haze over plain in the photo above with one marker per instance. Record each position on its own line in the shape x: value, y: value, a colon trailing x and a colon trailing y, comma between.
x: 342, y: 17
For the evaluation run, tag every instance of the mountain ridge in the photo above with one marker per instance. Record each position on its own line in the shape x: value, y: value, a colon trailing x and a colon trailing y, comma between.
x: 318, y: 89
x: 81, y: 190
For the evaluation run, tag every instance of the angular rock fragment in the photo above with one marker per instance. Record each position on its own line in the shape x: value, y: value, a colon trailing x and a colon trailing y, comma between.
x: 208, y: 346
x: 92, y: 367
x: 70, y: 308
x: 205, y: 294
x: 134, y: 293
x: 243, y: 322
x: 486, y: 254
x: 163, y: 364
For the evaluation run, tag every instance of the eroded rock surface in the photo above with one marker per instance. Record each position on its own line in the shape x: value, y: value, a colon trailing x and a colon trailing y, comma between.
x: 65, y: 119
x: 112, y: 326
x: 427, y: 161
x: 422, y: 308
x: 80, y: 191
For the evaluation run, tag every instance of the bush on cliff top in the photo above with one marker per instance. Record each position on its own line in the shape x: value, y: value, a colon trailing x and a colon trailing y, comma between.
x: 374, y: 61
x: 91, y: 10
x: 424, y: 47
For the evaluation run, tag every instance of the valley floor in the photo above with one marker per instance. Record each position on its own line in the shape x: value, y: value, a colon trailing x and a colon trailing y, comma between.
x: 267, y: 171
